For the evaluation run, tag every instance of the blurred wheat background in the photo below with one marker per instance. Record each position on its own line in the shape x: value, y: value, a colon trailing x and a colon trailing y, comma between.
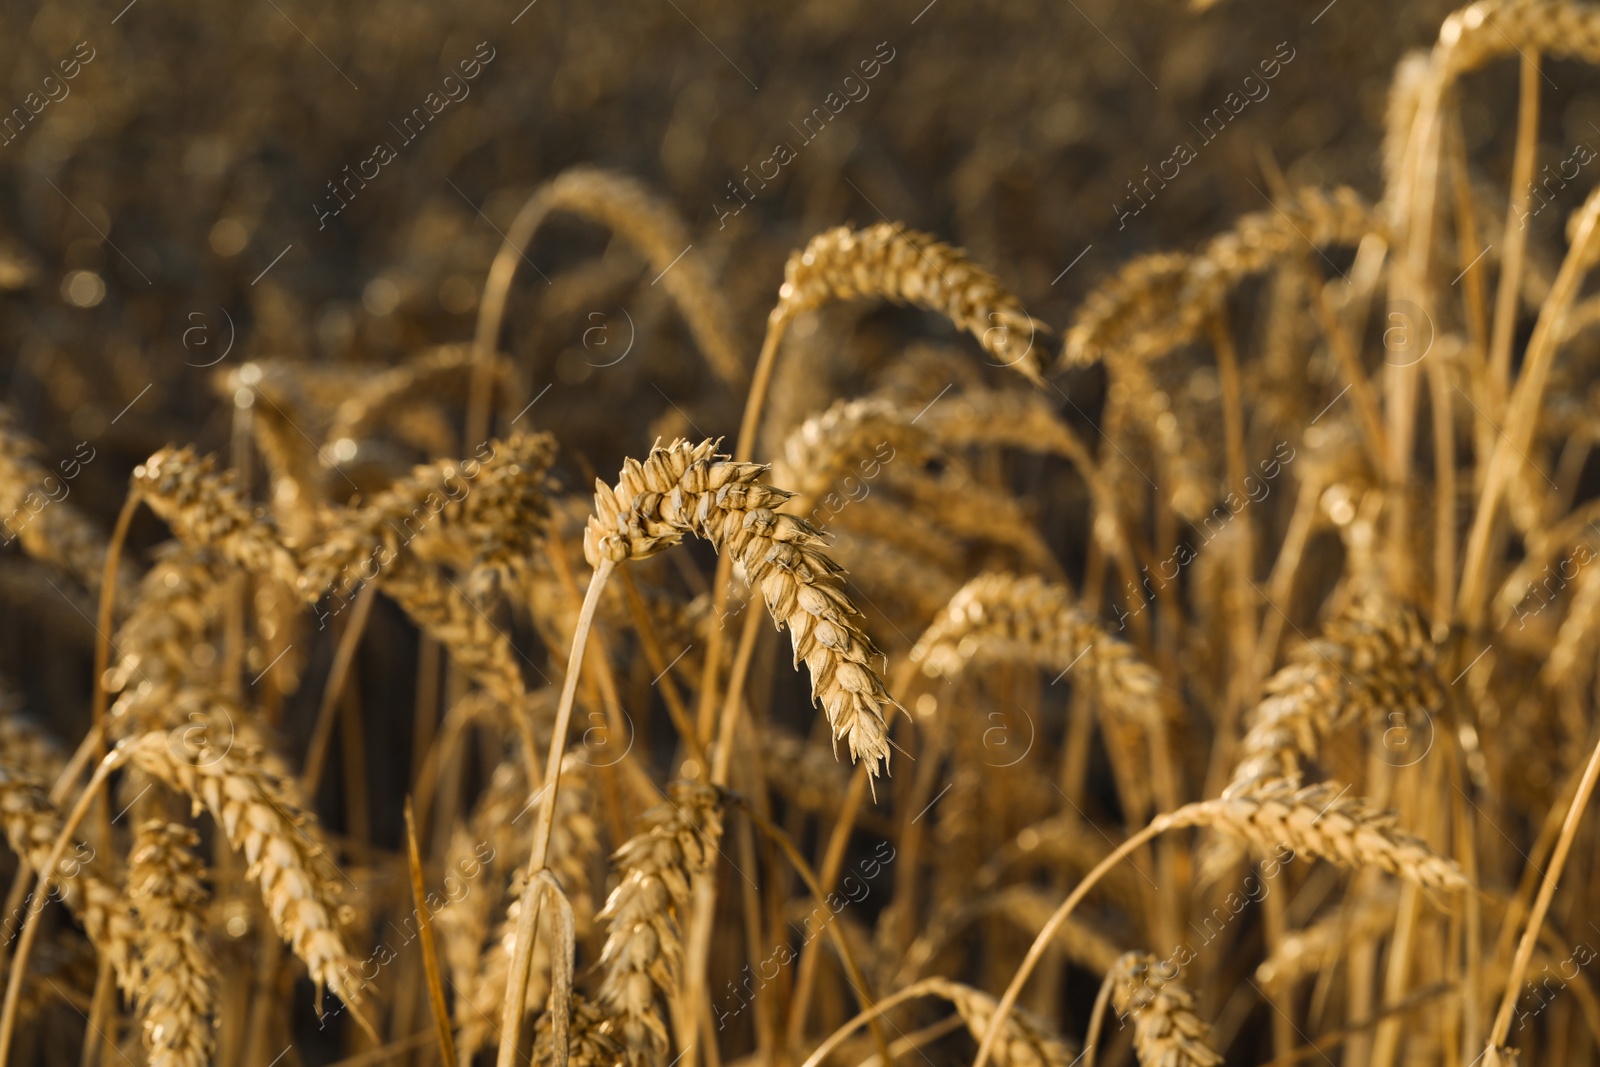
x: 653, y: 536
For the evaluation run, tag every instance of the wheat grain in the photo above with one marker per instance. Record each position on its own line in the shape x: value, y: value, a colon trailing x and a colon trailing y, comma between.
x: 164, y: 887
x: 687, y: 488
x: 643, y: 951
x: 910, y: 267
x: 1166, y: 1030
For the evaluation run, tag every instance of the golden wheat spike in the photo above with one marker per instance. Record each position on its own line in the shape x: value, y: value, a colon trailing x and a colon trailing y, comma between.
x: 682, y: 489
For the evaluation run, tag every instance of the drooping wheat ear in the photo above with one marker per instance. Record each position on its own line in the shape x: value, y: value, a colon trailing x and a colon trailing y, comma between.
x: 34, y: 508
x: 1132, y: 311
x: 1321, y: 821
x: 1481, y: 32
x: 435, y: 374
x: 1025, y: 1042
x: 592, y: 1039
x: 1154, y: 304
x: 32, y: 824
x: 485, y: 514
x: 998, y: 618
x: 905, y: 266
x: 644, y: 948
x: 163, y: 643
x: 857, y: 444
x: 683, y: 489
x: 23, y: 743
x: 1166, y: 1030
x: 164, y: 887
x: 632, y: 210
x: 1374, y: 660
x: 205, y: 507
x: 258, y: 813
x: 1303, y: 953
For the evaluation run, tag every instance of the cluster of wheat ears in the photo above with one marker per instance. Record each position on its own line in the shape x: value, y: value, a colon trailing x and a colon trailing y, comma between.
x: 1175, y: 769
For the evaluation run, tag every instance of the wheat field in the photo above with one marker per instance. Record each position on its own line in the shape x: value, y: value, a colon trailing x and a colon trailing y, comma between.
x: 574, y: 625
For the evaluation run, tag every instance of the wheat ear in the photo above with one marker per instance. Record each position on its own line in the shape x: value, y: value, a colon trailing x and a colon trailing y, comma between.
x: 1375, y: 658
x: 643, y: 950
x: 1166, y: 1030
x: 32, y: 824
x: 280, y: 842
x: 1025, y: 1041
x: 164, y: 887
x: 55, y: 531
x: 690, y: 489
x: 998, y: 618
x: 630, y: 209
x: 1321, y: 821
x: 205, y: 507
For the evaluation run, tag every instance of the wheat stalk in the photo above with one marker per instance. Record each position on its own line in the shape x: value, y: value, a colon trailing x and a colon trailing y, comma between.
x: 1309, y: 951
x: 164, y: 887
x: 1166, y: 1030
x: 643, y: 950
x: 683, y: 489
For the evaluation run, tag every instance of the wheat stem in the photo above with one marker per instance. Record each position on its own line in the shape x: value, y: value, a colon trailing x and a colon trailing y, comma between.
x: 527, y: 928
x: 1547, y: 891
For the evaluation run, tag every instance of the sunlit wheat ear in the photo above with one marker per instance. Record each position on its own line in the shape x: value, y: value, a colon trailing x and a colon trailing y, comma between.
x: 592, y: 1040
x: 683, y: 489
x: 1321, y: 821
x: 1303, y: 953
x: 1166, y: 1030
x: 1025, y: 1042
x: 281, y: 842
x: 633, y: 211
x: 205, y: 507
x: 1156, y: 303
x: 24, y: 743
x: 163, y: 642
x: 1481, y: 32
x: 164, y: 887
x: 1373, y: 661
x: 36, y: 511
x: 1131, y: 311
x: 644, y: 948
x: 836, y: 459
x: 998, y: 618
x: 904, y: 266
x: 32, y: 825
